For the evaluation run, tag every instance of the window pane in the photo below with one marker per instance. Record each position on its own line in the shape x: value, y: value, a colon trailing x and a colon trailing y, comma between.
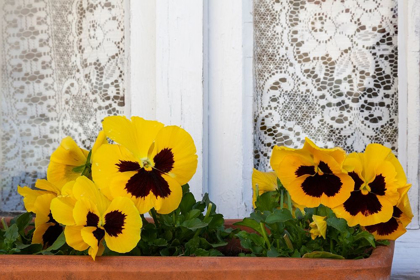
x: 327, y: 70
x: 62, y: 72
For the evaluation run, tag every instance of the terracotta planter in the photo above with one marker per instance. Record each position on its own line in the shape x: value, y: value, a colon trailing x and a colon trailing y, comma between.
x: 378, y: 266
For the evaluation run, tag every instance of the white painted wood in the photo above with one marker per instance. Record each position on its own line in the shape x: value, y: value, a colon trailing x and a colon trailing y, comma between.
x: 406, y: 263
x: 230, y: 113
x: 409, y: 87
x: 141, y: 44
x: 179, y: 72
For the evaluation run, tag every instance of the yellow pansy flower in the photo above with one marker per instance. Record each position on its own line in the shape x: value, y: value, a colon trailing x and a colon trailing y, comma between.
x: 149, y: 165
x: 38, y: 202
x: 318, y: 227
x: 377, y: 175
x: 69, y: 161
x: 396, y: 226
x: 93, y: 219
x: 266, y: 182
x: 312, y: 175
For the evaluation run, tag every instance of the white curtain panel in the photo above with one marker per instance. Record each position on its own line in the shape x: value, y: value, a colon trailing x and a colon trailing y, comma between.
x: 62, y: 72
x: 327, y: 70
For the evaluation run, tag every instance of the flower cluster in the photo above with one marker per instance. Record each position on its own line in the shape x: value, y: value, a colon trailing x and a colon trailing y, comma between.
x: 367, y: 189
x: 96, y: 198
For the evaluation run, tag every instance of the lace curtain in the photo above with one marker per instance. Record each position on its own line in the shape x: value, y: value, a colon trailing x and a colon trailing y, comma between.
x: 327, y: 70
x: 62, y: 71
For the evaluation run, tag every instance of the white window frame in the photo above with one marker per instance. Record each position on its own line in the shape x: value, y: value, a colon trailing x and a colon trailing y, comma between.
x: 190, y: 64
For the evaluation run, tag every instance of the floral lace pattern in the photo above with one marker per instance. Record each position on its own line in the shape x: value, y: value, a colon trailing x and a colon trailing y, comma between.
x: 327, y: 70
x: 62, y: 72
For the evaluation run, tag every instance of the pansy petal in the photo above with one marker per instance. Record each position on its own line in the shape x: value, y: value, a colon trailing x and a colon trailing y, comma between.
x: 105, y: 165
x: 136, y: 135
x: 375, y: 155
x: 47, y: 186
x: 401, y: 178
x: 279, y: 153
x: 122, y: 224
x: 61, y: 174
x: 29, y: 197
x: 46, y: 234
x: 170, y: 203
x: 39, y: 232
x: 85, y: 212
x: 266, y: 181
x: 175, y: 154
x: 92, y: 236
x: 67, y: 189
x: 146, y: 133
x: 69, y: 153
x: 62, y: 210
x: 74, y: 238
x: 42, y: 208
x: 293, y: 166
x: 405, y: 207
x: 100, y: 140
x: 337, y: 153
x: 85, y: 188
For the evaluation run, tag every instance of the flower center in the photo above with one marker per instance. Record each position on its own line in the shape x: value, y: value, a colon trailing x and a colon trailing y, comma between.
x: 365, y: 189
x: 148, y: 164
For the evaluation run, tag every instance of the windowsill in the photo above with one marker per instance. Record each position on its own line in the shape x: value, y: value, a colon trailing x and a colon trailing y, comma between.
x: 406, y: 264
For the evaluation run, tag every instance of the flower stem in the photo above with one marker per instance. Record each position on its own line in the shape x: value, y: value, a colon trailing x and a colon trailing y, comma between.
x: 208, y: 210
x: 3, y: 222
x: 264, y: 234
x: 331, y: 246
x: 289, y: 202
x: 281, y: 199
x: 288, y: 242
x: 153, y: 212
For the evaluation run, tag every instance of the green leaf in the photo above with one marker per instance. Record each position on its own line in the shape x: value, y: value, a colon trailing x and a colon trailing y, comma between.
x: 267, y: 201
x: 338, y: 224
x: 322, y: 255
x: 248, y: 222
x: 79, y: 169
x: 187, y: 203
x: 194, y: 213
x: 60, y: 241
x: 216, y: 221
x: 23, y: 221
x: 279, y: 216
x: 160, y: 242
x: 272, y: 253
x: 194, y: 224
x: 215, y: 253
x: 185, y: 189
x: 11, y: 234
x: 366, y: 236
x: 30, y: 249
x: 201, y: 252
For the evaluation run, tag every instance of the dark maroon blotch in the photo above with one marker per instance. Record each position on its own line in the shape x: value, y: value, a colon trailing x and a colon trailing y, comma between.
x: 114, y: 223
x: 125, y: 166
x: 51, y: 234
x: 378, y: 186
x: 367, y: 204
x: 99, y: 234
x: 92, y: 220
x: 384, y: 228
x: 305, y: 170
